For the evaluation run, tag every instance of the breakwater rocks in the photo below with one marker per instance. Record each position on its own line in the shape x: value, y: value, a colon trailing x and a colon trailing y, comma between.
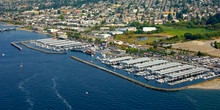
x: 127, y: 78
x: 15, y: 45
x: 48, y: 52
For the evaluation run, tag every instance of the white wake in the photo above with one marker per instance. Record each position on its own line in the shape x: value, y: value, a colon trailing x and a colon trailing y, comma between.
x: 59, y: 96
x: 21, y: 86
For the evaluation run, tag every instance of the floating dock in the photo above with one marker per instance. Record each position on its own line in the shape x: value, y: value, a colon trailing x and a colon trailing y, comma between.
x: 127, y: 78
x: 15, y: 45
x: 23, y: 43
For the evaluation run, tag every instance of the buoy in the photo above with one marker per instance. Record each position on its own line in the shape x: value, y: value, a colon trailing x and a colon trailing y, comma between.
x: 3, y: 54
x: 87, y: 93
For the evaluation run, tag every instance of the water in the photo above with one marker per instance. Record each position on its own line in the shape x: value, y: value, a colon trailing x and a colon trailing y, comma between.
x: 141, y: 39
x: 51, y: 81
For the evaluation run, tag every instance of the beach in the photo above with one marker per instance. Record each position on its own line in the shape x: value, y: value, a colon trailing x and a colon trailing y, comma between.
x: 212, y: 84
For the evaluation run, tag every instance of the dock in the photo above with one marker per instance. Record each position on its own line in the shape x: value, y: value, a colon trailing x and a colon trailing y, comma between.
x: 7, y: 29
x: 48, y: 52
x: 127, y: 78
x: 15, y: 45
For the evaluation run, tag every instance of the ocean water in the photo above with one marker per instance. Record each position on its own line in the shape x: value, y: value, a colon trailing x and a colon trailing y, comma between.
x: 57, y: 82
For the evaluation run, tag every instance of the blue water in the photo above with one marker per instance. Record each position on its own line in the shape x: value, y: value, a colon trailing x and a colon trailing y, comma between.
x: 141, y: 39
x: 57, y: 82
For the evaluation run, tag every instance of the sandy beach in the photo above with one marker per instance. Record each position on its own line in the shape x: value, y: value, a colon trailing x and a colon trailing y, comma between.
x: 212, y: 84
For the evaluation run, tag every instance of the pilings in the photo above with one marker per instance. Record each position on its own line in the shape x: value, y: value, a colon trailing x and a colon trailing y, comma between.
x: 127, y: 78
x: 48, y: 52
x: 15, y: 45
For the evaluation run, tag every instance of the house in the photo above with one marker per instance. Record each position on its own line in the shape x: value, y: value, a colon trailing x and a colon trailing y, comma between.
x: 118, y: 42
x: 147, y: 29
x: 104, y: 28
x: 104, y: 35
x: 115, y: 32
x: 52, y: 31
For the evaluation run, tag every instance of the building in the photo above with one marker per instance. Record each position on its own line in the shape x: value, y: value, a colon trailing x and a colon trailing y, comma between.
x: 104, y: 35
x: 52, y: 31
x: 115, y: 32
x: 147, y: 29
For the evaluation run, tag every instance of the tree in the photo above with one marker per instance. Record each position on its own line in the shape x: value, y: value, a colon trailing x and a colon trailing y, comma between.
x: 188, y: 35
x: 201, y: 54
x: 216, y: 45
x: 155, y: 46
x: 61, y: 17
x: 170, y: 17
x: 58, y: 12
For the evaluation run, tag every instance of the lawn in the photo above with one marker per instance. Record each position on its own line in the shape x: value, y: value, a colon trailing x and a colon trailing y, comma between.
x: 181, y: 31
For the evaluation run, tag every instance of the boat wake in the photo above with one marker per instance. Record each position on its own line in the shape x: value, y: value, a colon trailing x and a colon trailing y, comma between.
x: 59, y: 96
x: 27, y: 94
x: 191, y: 99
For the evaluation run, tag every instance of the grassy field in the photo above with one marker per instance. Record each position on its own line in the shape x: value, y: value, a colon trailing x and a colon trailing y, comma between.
x: 138, y: 38
x: 181, y: 31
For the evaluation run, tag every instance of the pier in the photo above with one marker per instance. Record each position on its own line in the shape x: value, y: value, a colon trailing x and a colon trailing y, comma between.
x: 15, y: 45
x: 48, y: 52
x: 127, y: 78
x: 7, y: 29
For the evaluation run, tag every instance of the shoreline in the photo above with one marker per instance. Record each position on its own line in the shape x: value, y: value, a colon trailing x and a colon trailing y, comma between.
x: 213, y: 84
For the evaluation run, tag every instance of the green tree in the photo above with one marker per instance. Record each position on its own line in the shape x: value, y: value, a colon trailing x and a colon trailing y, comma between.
x: 58, y: 12
x: 61, y: 17
x: 216, y: 45
x: 170, y: 17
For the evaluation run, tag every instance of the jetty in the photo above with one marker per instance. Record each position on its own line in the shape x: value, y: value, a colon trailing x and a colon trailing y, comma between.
x: 15, y: 45
x: 48, y: 52
x: 7, y: 29
x: 127, y: 78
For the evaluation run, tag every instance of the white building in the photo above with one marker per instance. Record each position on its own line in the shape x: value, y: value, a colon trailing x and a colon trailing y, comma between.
x: 63, y: 36
x: 104, y: 35
x: 115, y: 32
x: 118, y: 42
x: 52, y: 31
x: 147, y: 29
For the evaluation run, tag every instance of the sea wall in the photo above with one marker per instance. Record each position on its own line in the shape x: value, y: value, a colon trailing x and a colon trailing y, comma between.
x: 127, y: 78
x: 15, y: 45
x: 48, y: 52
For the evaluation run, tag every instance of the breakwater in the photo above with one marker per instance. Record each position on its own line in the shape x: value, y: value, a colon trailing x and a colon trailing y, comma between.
x: 15, y: 45
x: 23, y: 43
x: 7, y: 29
x: 127, y: 78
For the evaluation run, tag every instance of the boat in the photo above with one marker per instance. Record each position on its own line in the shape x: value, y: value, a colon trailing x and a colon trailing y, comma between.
x: 89, y: 52
x: 3, y: 54
x: 142, y: 73
x: 77, y: 50
x: 149, y: 77
x: 21, y: 66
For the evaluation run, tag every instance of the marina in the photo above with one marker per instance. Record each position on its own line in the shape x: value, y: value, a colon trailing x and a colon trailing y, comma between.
x: 161, y: 71
x: 43, y: 76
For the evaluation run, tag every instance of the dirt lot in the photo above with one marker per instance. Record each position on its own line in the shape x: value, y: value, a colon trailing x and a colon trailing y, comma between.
x: 203, y: 46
